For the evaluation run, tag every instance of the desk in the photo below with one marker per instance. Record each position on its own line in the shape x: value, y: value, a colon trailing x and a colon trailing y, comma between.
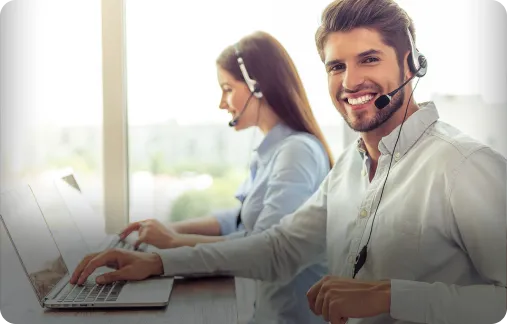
x: 195, y: 301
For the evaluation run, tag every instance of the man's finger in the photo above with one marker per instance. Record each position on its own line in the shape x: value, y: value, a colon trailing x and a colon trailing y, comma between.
x: 319, y: 302
x: 113, y: 265
x: 100, y: 260
x: 109, y: 277
x: 326, y: 305
x: 129, y: 229
x: 313, y: 292
x: 340, y: 320
x: 77, y: 272
x: 335, y: 313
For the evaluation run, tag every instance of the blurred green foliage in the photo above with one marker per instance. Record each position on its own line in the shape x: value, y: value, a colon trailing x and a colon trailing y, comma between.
x: 191, y: 204
x: 197, y: 203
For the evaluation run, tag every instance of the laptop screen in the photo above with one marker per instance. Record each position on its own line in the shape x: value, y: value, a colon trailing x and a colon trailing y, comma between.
x: 32, y: 239
x: 89, y: 223
x: 64, y: 230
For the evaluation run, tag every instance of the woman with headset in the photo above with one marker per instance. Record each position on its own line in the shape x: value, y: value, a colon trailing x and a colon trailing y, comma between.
x: 262, y: 88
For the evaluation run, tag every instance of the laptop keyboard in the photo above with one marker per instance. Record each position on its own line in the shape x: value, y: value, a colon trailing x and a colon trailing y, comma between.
x: 91, y: 292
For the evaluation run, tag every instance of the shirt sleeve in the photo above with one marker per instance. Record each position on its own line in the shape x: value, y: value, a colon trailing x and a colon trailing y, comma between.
x: 277, y: 253
x: 478, y: 204
x: 227, y: 220
x: 298, y: 169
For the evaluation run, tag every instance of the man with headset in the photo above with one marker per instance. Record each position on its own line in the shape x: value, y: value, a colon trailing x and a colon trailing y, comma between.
x: 412, y: 216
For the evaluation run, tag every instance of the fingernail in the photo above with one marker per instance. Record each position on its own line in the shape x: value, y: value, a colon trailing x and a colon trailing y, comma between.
x: 100, y: 280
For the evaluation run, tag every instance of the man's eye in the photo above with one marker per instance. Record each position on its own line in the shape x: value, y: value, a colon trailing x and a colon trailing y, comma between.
x: 371, y: 60
x: 336, y: 68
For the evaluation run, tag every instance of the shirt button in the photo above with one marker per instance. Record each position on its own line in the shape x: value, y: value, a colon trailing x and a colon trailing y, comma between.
x: 397, y: 156
x: 352, y: 258
x: 363, y: 213
x: 364, y: 172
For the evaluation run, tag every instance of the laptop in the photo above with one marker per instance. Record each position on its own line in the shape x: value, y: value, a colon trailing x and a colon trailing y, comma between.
x: 89, y: 224
x: 63, y: 212
x: 47, y: 272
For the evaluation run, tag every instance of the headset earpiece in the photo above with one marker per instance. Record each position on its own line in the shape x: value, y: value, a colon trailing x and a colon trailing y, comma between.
x: 251, y: 83
x: 416, y: 61
x: 423, y: 64
x: 256, y: 87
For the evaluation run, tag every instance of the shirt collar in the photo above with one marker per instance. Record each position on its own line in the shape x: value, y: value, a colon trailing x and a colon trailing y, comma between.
x: 361, y: 148
x: 278, y: 133
x: 413, y: 128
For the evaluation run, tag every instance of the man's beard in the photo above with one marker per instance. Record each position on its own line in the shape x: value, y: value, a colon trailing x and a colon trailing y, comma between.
x: 363, y: 125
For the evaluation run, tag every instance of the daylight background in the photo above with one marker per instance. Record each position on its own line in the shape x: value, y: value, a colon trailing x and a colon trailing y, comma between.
x: 183, y: 159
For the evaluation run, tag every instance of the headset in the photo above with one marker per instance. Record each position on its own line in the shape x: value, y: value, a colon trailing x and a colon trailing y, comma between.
x: 253, y: 85
x: 418, y: 66
x: 416, y: 60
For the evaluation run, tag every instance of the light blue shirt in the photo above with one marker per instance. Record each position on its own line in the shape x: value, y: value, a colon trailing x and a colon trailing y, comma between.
x: 286, y: 169
x: 439, y: 233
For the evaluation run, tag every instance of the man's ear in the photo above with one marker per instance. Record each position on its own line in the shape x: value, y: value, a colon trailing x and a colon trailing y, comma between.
x: 406, y: 68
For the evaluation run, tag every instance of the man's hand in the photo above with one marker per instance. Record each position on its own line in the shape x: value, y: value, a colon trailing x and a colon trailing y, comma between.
x: 152, y: 232
x: 130, y: 265
x: 338, y: 299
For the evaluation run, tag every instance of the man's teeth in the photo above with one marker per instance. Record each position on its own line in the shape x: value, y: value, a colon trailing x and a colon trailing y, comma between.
x: 360, y: 100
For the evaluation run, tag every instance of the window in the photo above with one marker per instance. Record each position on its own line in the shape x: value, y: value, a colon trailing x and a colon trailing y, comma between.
x: 51, y: 85
x: 184, y: 159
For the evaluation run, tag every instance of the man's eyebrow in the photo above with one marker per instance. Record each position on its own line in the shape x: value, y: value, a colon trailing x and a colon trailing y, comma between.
x: 370, y: 52
x: 360, y: 55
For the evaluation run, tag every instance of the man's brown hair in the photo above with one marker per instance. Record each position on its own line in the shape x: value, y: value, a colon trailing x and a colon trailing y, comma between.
x: 384, y: 16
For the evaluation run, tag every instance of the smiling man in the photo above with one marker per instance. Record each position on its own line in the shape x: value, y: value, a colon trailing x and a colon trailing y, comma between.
x: 412, y: 217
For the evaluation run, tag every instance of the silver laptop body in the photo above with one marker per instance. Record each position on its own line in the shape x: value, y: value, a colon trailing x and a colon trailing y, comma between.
x: 89, y: 223
x: 44, y: 265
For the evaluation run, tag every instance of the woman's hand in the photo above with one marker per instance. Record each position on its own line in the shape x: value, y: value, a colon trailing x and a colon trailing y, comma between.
x: 152, y: 232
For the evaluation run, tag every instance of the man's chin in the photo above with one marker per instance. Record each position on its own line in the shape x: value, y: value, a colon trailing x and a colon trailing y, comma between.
x: 362, y: 124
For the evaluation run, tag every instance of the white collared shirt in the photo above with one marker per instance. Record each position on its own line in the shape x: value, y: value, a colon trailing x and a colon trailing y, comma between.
x: 439, y: 234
